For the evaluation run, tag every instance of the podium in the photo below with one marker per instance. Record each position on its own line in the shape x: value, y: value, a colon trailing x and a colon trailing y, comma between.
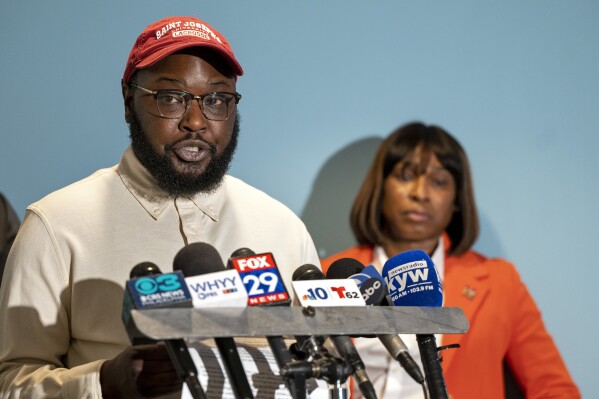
x: 265, y: 321
x: 276, y: 321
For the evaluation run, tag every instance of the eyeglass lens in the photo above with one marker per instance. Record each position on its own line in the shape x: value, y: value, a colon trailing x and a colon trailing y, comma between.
x: 214, y: 106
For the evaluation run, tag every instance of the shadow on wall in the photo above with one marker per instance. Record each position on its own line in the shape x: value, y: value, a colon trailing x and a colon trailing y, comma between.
x: 488, y: 242
x: 327, y: 209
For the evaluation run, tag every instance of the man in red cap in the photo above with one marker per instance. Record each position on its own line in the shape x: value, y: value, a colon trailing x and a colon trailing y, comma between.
x: 62, y: 334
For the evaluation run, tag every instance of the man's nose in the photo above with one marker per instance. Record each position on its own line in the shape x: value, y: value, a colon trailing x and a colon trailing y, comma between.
x: 193, y: 120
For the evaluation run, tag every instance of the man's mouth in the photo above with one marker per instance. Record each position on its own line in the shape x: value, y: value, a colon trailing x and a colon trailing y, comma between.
x: 190, y: 150
x: 191, y: 153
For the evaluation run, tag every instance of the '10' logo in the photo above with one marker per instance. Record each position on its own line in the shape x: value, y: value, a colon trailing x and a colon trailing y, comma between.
x: 321, y: 293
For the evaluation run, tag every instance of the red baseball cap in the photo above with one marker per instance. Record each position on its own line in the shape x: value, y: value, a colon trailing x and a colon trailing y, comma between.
x: 172, y: 34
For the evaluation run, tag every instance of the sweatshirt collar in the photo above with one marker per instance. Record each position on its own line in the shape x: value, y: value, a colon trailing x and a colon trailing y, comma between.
x: 142, y: 185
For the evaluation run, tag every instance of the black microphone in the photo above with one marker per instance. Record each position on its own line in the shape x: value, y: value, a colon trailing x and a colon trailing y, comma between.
x: 144, y: 269
x: 239, y: 253
x: 343, y: 343
x: 150, y: 288
x: 369, y: 281
x: 413, y: 280
x: 371, y: 285
x: 305, y: 345
x: 264, y: 270
x: 307, y: 272
x: 202, y: 258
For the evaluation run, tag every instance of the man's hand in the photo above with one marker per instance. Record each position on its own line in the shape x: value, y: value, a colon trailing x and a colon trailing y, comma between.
x: 138, y: 372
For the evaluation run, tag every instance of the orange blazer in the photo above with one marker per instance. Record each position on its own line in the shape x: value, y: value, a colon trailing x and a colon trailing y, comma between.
x: 504, y: 323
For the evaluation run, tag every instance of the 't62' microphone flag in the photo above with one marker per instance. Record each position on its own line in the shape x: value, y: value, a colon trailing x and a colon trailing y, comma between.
x: 261, y: 278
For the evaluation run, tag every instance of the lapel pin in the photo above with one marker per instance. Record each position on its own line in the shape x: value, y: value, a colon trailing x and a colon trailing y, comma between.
x: 469, y: 292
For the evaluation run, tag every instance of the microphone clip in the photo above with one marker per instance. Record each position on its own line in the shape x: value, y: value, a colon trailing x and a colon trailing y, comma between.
x: 313, y: 360
x: 444, y: 347
x: 330, y: 369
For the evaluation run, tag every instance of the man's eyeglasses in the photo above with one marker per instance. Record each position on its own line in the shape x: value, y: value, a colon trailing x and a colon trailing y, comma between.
x: 173, y: 104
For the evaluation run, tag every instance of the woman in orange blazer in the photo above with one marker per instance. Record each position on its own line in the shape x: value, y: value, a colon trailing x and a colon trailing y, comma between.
x: 418, y: 195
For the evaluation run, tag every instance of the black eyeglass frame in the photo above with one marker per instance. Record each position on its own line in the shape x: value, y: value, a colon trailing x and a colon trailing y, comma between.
x: 189, y: 97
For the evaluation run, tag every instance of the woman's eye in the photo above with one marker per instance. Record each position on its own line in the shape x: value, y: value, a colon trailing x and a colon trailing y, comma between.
x: 405, y: 175
x: 440, y: 181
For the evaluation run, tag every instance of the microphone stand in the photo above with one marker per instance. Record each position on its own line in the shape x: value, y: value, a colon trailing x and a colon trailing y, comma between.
x: 338, y: 391
x: 234, y: 368
x: 432, y: 366
x: 333, y: 370
x: 296, y: 383
x: 186, y: 369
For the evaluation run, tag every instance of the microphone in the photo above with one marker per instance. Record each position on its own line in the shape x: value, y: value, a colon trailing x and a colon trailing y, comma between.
x: 149, y: 288
x: 370, y: 282
x: 306, y: 272
x: 312, y: 344
x: 260, y: 275
x: 322, y: 364
x: 239, y: 253
x: 213, y: 288
x: 203, y: 259
x: 371, y: 285
x: 343, y: 343
x: 413, y: 280
x: 144, y: 269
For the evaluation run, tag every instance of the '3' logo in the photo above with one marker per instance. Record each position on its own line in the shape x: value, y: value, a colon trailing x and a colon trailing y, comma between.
x: 162, y: 282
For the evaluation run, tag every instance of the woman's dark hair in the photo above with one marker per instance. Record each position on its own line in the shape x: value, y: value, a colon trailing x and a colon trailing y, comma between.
x: 366, y: 215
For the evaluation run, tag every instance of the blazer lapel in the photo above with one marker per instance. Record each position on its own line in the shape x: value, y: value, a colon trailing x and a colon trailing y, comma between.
x: 466, y: 286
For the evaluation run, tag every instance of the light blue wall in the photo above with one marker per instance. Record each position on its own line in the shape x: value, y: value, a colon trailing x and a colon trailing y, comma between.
x: 516, y: 82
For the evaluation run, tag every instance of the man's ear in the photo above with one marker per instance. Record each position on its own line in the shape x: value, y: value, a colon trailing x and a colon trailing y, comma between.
x: 127, y: 101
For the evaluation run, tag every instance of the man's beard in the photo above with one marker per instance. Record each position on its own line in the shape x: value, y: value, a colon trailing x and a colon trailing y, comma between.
x: 172, y: 181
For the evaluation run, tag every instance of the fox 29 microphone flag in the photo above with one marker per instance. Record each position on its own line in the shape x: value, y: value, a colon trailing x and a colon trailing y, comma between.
x: 413, y: 280
x: 261, y: 277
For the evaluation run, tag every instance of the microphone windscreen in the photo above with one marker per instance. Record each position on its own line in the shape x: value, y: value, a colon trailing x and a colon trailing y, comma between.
x: 344, y: 268
x: 413, y: 280
x: 144, y: 269
x: 239, y: 253
x: 198, y: 258
x: 242, y: 252
x: 307, y: 272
